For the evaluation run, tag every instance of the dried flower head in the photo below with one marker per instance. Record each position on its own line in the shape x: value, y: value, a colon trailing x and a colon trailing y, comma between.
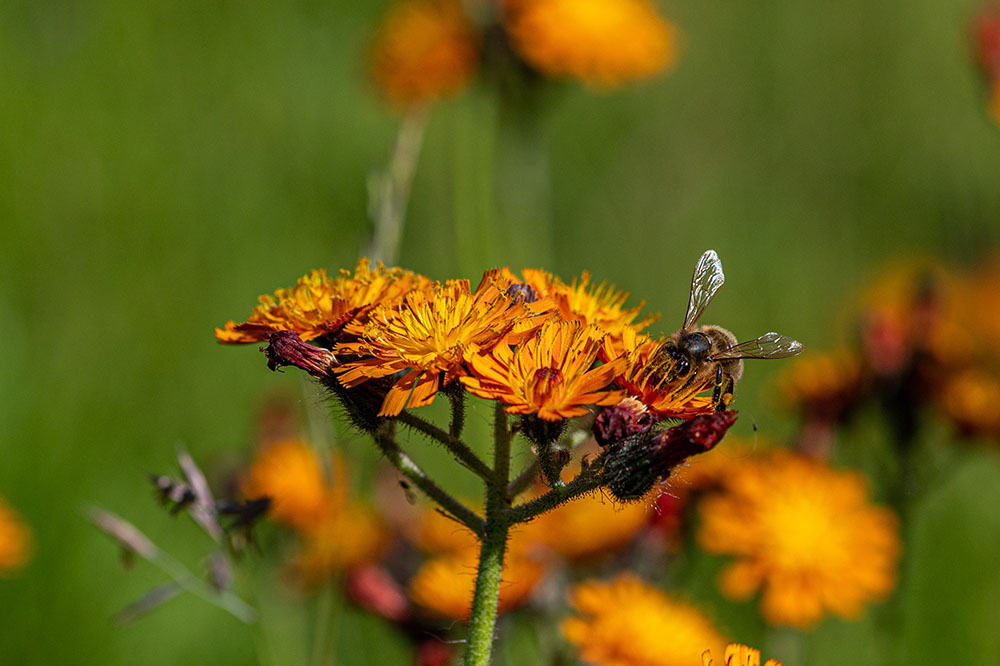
x: 604, y: 43
x: 626, y: 622
x: 424, y: 49
x: 804, y: 533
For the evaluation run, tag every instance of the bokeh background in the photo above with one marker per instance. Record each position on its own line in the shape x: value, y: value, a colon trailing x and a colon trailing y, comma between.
x: 162, y: 164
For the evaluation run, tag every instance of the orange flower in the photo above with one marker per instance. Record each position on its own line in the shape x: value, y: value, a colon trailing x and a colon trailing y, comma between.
x: 549, y: 374
x: 646, y: 378
x: 290, y: 474
x: 626, y: 622
x: 425, y: 335
x: 317, y: 305
x: 827, y: 382
x: 806, y: 534
x: 970, y: 399
x: 16, y: 542
x: 350, y: 535
x: 602, y: 42
x: 739, y: 655
x: 995, y: 102
x: 424, y: 49
x: 445, y: 584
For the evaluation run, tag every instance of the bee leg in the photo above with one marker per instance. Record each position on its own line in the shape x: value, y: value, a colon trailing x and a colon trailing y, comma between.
x: 720, y: 406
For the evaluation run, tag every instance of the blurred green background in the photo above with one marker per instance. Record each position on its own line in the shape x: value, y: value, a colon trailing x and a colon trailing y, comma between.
x: 162, y: 164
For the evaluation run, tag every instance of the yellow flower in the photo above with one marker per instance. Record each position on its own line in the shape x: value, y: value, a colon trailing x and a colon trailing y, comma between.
x: 424, y: 49
x: 550, y: 374
x: 317, y: 305
x: 804, y: 533
x: 739, y: 655
x: 16, y: 542
x: 445, y: 584
x: 291, y: 475
x: 645, y: 377
x: 602, y: 42
x: 626, y: 622
x: 569, y: 528
x: 349, y: 535
x: 425, y: 335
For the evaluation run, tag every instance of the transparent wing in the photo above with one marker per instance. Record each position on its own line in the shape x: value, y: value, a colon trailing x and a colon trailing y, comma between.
x: 705, y: 282
x: 769, y: 345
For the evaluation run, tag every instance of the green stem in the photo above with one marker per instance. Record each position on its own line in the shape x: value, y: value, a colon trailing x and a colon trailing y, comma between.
x: 523, y: 480
x: 457, y: 399
x: 485, y: 600
x: 412, y: 471
x: 457, y: 447
x: 585, y: 482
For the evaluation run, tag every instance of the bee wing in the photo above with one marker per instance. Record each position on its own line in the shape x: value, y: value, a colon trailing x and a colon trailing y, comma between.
x: 769, y: 345
x: 707, y: 279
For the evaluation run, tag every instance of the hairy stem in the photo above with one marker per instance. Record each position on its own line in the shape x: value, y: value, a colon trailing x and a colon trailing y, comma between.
x: 523, y: 480
x: 412, y: 471
x: 585, y: 482
x: 457, y: 447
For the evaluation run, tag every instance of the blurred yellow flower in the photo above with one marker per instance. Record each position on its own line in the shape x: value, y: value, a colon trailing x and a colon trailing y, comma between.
x: 804, y: 533
x: 601, y: 42
x: 970, y: 399
x: 738, y: 654
x: 290, y: 473
x: 424, y: 49
x: 550, y: 373
x: 444, y: 585
x: 318, y: 305
x: 819, y: 380
x: 626, y: 622
x: 16, y: 541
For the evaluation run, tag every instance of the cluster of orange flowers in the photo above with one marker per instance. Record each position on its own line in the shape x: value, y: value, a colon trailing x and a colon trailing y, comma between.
x: 987, y: 40
x: 539, y: 345
x: 429, y: 48
x: 927, y: 336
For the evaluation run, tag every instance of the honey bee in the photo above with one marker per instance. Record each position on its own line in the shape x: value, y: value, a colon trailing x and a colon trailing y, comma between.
x: 697, y: 355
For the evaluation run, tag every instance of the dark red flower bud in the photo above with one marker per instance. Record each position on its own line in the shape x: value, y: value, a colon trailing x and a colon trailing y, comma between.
x: 634, y: 467
x: 372, y: 588
x: 629, y: 417
x: 287, y: 348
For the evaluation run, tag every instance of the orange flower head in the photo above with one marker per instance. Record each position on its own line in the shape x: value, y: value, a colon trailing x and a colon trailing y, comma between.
x: 444, y: 585
x: 738, y: 654
x: 970, y: 399
x: 604, y: 43
x: 804, y: 533
x: 290, y: 473
x: 823, y: 382
x: 317, y: 306
x: 16, y: 541
x: 626, y: 622
x: 426, y: 335
x: 424, y: 49
x: 645, y: 377
x: 550, y: 373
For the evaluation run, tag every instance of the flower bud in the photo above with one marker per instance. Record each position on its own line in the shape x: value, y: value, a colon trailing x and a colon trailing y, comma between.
x: 287, y: 348
x: 628, y: 418
x: 634, y: 467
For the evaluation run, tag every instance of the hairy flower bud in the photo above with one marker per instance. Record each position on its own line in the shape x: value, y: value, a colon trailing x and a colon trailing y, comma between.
x: 633, y: 468
x: 287, y: 348
x: 628, y: 418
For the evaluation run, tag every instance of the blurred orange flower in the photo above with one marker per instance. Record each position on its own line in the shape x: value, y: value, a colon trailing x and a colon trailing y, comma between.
x: 804, y: 533
x: 290, y: 473
x: 352, y: 534
x: 626, y: 622
x: 424, y: 49
x: 604, y: 43
x: 16, y: 541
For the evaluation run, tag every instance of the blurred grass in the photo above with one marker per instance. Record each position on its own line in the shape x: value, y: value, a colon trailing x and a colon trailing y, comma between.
x: 162, y: 165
